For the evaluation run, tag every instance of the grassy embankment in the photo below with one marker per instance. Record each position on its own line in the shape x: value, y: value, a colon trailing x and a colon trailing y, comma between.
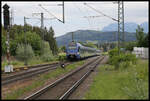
x: 129, y: 83
x: 14, y: 94
x: 33, y: 61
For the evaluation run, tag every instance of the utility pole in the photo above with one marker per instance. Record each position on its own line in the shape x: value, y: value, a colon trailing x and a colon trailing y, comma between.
x: 123, y: 25
x: 25, y: 48
x: 120, y: 21
x: 72, y: 37
x: 42, y: 28
x: 63, y: 13
x: 120, y: 25
x: 11, y: 17
x: 118, y: 28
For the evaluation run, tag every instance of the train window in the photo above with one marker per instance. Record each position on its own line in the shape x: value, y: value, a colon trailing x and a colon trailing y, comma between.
x: 72, y: 47
x: 72, y: 44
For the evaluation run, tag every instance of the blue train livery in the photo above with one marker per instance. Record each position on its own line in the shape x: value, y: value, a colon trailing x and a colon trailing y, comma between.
x: 75, y: 50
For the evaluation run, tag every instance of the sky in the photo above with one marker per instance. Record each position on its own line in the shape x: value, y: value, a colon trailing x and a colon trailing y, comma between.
x: 77, y: 14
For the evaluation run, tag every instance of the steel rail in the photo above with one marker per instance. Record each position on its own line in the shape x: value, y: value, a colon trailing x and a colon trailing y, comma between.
x: 27, y: 74
x: 41, y: 68
x: 73, y: 88
x: 30, y: 67
x: 43, y: 90
x: 30, y: 73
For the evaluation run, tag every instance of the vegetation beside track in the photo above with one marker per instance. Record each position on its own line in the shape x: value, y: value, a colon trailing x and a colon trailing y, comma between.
x: 127, y: 81
x: 40, y: 81
x: 34, y: 61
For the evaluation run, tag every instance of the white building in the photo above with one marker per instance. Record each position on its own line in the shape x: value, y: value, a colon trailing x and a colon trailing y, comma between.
x: 141, y: 52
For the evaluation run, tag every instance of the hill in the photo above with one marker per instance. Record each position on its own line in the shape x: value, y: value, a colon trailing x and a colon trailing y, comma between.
x: 92, y: 35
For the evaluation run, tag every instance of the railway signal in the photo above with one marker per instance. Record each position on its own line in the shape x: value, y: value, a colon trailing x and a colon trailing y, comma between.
x: 6, y: 16
x: 8, y: 68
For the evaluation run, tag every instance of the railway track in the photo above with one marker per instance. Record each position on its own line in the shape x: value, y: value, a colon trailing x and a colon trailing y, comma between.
x: 63, y: 87
x: 34, y: 70
x: 24, y: 68
x: 29, y: 73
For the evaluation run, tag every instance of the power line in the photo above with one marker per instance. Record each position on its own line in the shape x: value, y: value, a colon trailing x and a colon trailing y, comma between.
x: 51, y: 4
x: 36, y: 23
x: 48, y: 11
x: 92, y: 16
x: 53, y: 14
x: 82, y: 13
x: 89, y: 18
x: 100, y: 12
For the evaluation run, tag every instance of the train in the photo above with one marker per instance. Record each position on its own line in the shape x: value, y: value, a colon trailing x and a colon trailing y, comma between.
x: 75, y: 50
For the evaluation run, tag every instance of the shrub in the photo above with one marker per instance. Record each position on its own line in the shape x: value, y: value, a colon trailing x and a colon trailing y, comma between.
x: 13, y: 47
x: 116, y: 59
x: 113, y: 52
x: 20, y: 52
x: 47, y: 53
x: 123, y: 65
x: 129, y: 45
x: 130, y: 57
x: 126, y: 57
x: 136, y: 89
x: 62, y: 58
x: 33, y: 39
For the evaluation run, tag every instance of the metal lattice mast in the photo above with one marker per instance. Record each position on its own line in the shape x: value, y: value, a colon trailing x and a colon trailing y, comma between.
x: 120, y: 24
x: 42, y: 29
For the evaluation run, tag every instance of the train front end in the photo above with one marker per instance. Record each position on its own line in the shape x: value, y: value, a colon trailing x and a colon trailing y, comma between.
x: 72, y: 51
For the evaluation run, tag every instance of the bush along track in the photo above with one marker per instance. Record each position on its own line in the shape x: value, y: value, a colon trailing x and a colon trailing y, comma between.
x: 123, y: 78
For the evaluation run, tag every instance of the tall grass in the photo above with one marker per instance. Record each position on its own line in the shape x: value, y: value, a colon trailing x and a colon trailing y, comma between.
x: 125, y: 83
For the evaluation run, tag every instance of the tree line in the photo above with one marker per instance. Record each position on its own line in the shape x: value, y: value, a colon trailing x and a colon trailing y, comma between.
x: 34, y: 37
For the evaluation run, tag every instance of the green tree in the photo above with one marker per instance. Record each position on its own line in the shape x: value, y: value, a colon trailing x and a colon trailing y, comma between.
x: 49, y: 36
x: 47, y: 54
x: 38, y: 31
x: 4, y: 47
x: 129, y: 45
x: 140, y: 36
x: 33, y: 39
x: 62, y: 48
x: 13, y: 47
x: 146, y: 41
x: 20, y: 52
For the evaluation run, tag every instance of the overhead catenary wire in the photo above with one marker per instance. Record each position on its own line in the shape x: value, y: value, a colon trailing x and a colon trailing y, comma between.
x: 89, y: 18
x: 100, y: 12
x: 50, y: 13
x: 36, y: 23
x: 82, y: 13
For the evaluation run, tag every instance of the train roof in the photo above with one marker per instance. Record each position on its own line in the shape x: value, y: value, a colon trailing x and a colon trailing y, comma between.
x: 85, y: 46
x: 82, y: 46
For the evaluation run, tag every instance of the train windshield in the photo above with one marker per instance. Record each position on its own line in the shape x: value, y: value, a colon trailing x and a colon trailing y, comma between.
x: 72, y: 45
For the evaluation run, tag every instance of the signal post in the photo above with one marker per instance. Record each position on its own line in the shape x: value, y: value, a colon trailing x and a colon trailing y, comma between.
x: 8, y: 68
